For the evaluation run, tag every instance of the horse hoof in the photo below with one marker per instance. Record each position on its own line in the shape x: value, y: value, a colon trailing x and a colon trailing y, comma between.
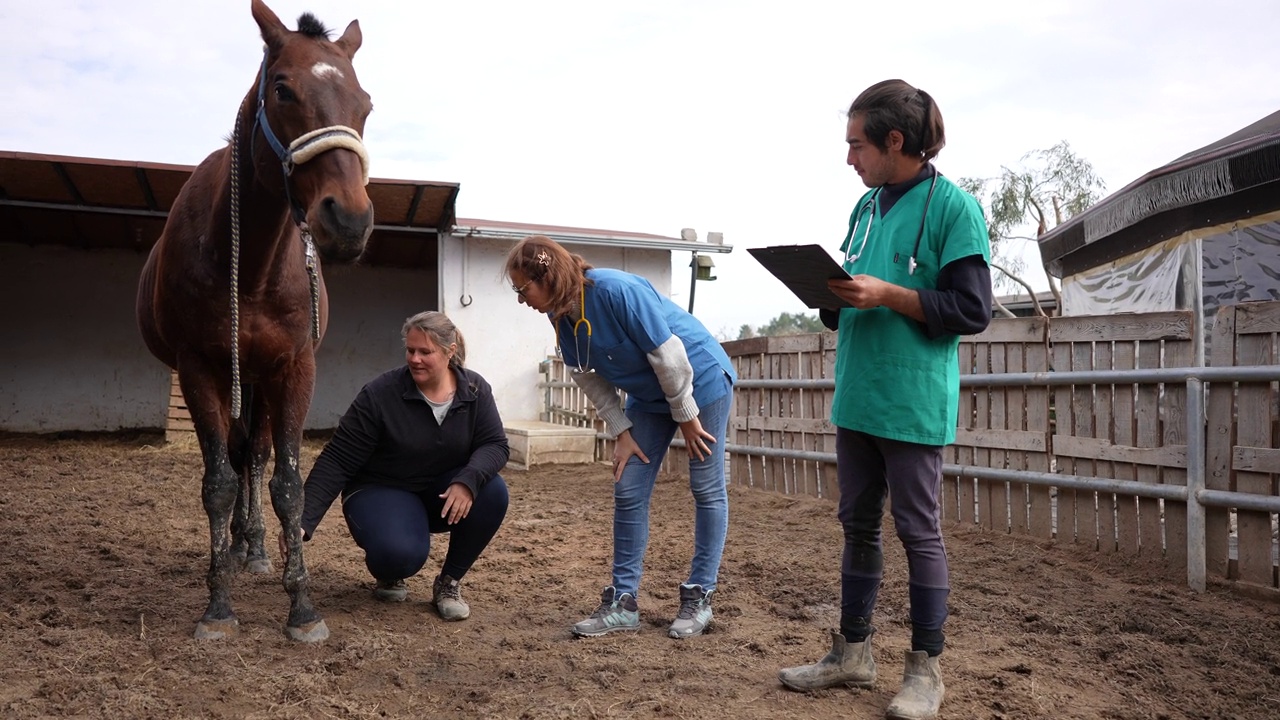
x: 259, y: 566
x: 217, y: 629
x: 310, y: 633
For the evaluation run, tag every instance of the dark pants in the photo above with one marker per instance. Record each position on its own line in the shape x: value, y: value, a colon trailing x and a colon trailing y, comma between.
x: 394, y: 527
x: 869, y: 469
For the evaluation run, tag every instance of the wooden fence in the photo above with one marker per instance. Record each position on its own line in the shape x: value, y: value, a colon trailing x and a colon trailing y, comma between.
x: 781, y: 440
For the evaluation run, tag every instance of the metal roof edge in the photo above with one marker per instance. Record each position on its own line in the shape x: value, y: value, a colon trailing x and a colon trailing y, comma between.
x: 1185, y: 182
x: 585, y: 236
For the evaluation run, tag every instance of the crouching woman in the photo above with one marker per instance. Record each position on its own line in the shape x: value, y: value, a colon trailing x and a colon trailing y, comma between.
x: 418, y: 452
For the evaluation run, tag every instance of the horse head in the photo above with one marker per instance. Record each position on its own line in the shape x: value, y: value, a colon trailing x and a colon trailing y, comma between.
x: 311, y: 110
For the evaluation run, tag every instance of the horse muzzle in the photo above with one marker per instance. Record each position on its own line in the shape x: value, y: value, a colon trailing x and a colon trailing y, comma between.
x: 340, y: 230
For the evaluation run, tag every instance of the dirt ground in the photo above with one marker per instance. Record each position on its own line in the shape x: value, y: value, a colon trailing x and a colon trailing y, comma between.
x: 102, y: 580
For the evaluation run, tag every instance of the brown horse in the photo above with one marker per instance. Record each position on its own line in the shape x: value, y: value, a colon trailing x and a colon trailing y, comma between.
x: 232, y: 298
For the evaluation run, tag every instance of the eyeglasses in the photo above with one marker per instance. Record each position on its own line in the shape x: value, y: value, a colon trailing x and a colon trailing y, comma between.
x: 520, y: 290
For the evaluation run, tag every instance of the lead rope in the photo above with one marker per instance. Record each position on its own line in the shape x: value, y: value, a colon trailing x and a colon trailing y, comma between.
x: 314, y: 277
x: 235, y: 269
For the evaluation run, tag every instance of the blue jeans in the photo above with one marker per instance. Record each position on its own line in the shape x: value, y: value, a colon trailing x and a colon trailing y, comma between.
x: 631, y: 495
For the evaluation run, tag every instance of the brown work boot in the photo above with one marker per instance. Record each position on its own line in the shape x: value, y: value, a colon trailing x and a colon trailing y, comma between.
x: 848, y: 664
x: 922, y: 689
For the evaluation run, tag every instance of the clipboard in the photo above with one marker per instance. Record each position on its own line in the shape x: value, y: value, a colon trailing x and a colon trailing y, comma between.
x: 804, y: 269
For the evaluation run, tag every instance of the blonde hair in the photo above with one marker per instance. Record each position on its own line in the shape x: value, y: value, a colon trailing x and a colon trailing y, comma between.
x: 442, y: 332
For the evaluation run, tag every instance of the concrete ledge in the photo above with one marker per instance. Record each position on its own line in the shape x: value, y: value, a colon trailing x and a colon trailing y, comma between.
x: 539, y: 443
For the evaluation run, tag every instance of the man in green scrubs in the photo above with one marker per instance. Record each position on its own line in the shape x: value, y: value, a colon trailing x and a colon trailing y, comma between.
x: 917, y: 250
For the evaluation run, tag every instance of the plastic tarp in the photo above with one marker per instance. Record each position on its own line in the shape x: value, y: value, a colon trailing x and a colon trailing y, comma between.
x: 1156, y: 279
x: 1223, y: 265
x: 1242, y: 265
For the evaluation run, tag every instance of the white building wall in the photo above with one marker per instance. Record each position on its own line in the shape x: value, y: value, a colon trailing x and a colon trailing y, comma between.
x: 505, y: 339
x: 71, y: 357
x: 367, y: 307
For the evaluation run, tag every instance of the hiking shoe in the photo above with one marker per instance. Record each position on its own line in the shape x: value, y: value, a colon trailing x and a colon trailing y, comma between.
x: 391, y: 590
x: 616, y: 613
x: 446, y: 594
x: 695, y: 612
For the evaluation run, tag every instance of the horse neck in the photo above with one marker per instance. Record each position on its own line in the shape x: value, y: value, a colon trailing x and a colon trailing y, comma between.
x: 266, y: 227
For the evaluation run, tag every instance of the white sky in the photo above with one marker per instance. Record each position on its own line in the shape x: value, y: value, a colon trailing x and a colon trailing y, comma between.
x: 720, y: 115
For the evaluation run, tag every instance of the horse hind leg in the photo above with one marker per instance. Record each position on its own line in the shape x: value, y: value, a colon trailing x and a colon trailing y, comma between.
x: 250, y: 446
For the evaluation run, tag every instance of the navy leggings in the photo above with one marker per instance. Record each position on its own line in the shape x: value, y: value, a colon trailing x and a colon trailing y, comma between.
x: 394, y: 526
x: 869, y: 468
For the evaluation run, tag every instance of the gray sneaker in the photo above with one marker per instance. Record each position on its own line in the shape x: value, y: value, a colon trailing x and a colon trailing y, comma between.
x: 446, y: 595
x: 695, y: 612
x: 391, y: 590
x: 617, y: 613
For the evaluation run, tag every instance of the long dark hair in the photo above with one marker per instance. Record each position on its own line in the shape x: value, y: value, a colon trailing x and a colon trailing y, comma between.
x: 896, y: 105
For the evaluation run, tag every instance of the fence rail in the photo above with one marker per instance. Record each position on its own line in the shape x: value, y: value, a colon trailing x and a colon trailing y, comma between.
x: 1095, y: 431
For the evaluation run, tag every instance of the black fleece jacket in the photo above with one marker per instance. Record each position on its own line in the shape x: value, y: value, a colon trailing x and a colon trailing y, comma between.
x: 390, y: 437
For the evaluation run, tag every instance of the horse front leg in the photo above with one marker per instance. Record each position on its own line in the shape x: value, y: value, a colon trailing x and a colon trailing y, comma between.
x: 305, y: 623
x: 218, y: 490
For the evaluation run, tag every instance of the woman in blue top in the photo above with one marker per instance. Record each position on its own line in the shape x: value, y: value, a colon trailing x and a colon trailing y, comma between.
x: 616, y: 332
x: 917, y: 250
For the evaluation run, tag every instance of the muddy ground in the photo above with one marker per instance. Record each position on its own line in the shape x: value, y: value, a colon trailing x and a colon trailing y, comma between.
x: 106, y: 546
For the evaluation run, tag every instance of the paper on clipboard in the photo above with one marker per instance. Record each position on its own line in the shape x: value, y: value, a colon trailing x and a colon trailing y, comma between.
x: 804, y: 269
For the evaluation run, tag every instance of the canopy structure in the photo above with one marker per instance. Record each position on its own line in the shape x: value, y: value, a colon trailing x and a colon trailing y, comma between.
x: 95, y: 204
x: 1200, y: 232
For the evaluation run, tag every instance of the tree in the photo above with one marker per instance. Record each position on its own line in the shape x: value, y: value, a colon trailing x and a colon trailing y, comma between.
x: 1048, y: 188
x: 784, y: 324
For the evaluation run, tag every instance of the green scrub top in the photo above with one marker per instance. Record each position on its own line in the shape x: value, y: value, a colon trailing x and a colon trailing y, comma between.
x: 891, y: 380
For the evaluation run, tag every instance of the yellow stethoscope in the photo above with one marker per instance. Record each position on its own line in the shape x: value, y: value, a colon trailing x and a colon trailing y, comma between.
x: 577, y: 350
x: 870, y: 204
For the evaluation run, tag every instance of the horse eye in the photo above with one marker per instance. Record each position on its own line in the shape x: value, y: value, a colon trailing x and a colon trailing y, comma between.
x: 284, y: 94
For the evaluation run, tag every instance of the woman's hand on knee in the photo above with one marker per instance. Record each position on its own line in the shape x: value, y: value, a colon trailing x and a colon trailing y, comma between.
x: 623, y: 449
x: 457, y: 502
x: 696, y: 439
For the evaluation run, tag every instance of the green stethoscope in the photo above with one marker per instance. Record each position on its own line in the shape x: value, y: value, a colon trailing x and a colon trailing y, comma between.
x: 870, y: 204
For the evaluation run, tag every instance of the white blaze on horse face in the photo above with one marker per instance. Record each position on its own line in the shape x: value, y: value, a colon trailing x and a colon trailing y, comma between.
x: 323, y: 69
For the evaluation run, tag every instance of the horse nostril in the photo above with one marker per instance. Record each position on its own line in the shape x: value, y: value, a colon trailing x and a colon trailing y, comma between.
x: 344, y: 221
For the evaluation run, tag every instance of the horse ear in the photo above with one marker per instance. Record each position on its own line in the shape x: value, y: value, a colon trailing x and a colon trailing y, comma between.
x: 273, y: 31
x: 351, y: 39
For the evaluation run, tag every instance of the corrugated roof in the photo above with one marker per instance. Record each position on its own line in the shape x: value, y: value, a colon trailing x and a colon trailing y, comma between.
x: 93, y: 203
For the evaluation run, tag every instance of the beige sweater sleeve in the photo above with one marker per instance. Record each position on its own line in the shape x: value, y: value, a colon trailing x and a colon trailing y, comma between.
x: 604, y: 396
x: 675, y: 376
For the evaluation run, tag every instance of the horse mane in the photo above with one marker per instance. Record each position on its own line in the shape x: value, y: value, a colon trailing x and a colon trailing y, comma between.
x: 311, y: 26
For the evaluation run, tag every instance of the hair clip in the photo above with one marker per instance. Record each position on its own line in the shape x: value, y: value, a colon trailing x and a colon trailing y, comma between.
x: 543, y: 258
